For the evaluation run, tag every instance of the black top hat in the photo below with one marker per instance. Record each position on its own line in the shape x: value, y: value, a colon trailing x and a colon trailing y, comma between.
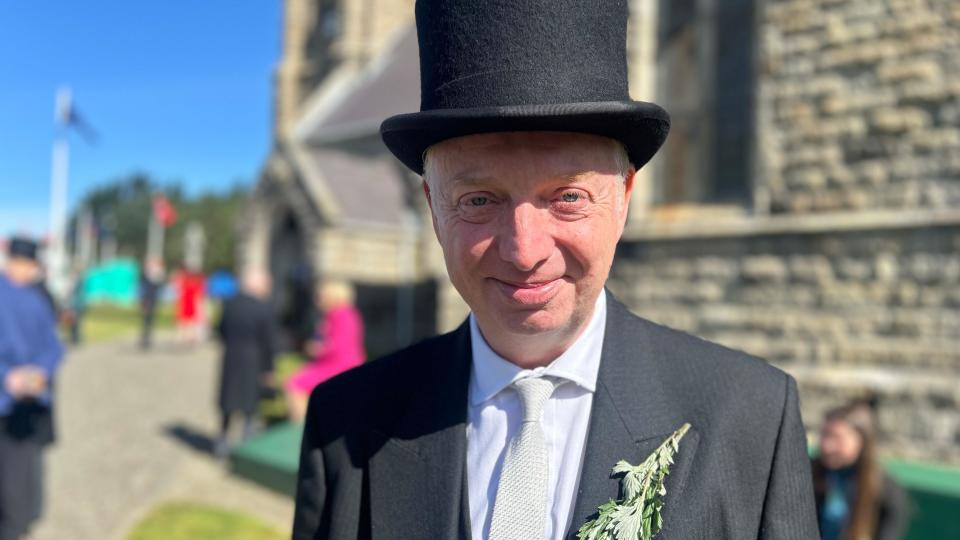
x: 20, y: 246
x: 524, y: 65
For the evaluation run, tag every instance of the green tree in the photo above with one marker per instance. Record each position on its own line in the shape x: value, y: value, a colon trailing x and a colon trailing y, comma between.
x: 122, y: 208
x: 217, y: 214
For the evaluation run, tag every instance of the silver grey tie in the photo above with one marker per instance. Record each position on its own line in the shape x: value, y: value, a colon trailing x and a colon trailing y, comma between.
x: 520, y: 509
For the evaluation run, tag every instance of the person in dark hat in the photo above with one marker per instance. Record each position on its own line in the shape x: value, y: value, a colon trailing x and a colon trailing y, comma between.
x: 30, y: 354
x: 509, y: 426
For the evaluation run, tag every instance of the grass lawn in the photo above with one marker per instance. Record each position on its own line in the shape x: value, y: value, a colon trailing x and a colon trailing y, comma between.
x: 104, y: 322
x: 188, y: 521
x: 275, y: 409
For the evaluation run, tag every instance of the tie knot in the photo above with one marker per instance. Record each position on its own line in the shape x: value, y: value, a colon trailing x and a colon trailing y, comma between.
x: 534, y: 392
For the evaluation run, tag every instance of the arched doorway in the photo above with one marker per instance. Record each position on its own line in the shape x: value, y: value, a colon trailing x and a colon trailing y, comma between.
x: 292, y: 282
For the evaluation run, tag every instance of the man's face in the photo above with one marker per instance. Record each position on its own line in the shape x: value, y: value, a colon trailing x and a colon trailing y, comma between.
x: 22, y: 271
x: 528, y: 223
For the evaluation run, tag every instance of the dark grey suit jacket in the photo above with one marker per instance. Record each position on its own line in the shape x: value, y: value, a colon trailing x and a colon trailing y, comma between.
x: 384, y: 447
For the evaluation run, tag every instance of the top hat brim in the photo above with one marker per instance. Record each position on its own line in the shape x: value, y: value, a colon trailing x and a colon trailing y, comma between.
x: 642, y: 127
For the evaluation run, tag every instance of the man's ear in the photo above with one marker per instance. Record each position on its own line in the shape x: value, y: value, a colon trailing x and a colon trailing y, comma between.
x: 426, y: 191
x: 627, y: 192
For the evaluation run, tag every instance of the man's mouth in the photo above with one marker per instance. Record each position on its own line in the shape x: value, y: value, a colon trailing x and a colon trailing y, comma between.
x: 529, y: 292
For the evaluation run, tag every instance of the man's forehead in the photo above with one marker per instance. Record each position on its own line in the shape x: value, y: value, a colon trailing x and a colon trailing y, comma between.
x: 471, y: 154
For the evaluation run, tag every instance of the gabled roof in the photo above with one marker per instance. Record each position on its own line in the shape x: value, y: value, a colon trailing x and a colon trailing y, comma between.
x: 347, y: 173
x: 354, y: 106
x: 365, y: 188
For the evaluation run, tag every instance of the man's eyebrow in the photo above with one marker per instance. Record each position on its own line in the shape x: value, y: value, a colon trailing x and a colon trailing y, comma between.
x: 467, y: 178
x: 579, y: 176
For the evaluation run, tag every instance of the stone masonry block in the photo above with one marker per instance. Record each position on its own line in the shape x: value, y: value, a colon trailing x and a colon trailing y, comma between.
x: 764, y: 268
x: 909, y: 69
x: 898, y: 120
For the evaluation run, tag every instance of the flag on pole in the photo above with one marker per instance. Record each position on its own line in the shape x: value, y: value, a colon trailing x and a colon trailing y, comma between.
x: 68, y: 116
x: 163, y: 211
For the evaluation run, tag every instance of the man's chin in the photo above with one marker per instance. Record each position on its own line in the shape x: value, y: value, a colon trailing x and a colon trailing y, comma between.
x: 530, y: 322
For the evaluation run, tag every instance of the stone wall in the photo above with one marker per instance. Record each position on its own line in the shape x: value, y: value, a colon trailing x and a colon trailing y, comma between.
x: 859, y: 104
x: 846, y: 313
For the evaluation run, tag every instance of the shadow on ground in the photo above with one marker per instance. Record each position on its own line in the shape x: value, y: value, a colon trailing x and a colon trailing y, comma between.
x: 191, y: 437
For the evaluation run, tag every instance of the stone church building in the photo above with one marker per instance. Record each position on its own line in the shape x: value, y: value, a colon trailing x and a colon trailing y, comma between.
x: 806, y: 206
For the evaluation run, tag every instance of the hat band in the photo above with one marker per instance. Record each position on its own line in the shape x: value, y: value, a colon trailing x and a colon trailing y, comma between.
x: 521, y: 87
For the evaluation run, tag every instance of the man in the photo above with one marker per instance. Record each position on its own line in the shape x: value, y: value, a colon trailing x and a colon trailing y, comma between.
x: 29, y: 355
x: 77, y: 304
x: 151, y: 282
x: 247, y: 331
x: 508, y: 427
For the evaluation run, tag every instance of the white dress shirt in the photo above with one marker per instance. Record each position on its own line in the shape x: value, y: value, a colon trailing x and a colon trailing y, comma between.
x: 494, y: 418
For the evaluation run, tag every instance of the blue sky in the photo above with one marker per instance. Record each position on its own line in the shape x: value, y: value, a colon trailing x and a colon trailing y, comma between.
x: 178, y: 89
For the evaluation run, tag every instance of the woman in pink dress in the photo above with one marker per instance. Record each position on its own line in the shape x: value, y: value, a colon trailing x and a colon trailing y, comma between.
x: 338, y: 348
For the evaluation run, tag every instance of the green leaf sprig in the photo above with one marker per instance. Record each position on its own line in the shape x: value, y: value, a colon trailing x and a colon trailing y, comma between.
x: 636, y: 515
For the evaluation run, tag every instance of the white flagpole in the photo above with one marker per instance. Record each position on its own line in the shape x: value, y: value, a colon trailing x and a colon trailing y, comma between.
x: 194, y: 240
x: 155, y: 231
x: 56, y: 270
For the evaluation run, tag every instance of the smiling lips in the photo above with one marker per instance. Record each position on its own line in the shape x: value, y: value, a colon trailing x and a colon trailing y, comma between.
x: 531, y: 294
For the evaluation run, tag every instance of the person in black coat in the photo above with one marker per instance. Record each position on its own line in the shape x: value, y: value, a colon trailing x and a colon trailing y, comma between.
x: 151, y: 283
x: 247, y: 330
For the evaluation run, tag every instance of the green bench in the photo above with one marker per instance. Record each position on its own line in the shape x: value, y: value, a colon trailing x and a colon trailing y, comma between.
x: 271, y: 460
x: 935, y: 495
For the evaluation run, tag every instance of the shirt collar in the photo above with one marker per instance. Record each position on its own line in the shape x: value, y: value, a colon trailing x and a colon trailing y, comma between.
x: 579, y: 364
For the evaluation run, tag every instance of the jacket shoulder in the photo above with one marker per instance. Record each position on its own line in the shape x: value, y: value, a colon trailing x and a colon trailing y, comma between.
x: 706, y: 371
x: 705, y: 357
x: 371, y: 394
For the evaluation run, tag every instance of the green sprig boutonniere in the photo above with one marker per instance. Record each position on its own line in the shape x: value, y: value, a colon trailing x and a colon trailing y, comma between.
x: 636, y: 515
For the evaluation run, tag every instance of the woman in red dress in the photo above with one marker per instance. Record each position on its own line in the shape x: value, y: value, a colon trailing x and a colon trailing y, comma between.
x: 191, y: 291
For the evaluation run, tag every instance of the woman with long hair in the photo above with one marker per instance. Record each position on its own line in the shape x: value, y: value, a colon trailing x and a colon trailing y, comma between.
x: 856, y: 500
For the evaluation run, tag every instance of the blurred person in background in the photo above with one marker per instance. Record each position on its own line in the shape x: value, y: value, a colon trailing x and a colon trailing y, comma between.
x: 337, y: 347
x: 30, y: 354
x: 855, y: 499
x: 300, y: 317
x: 77, y: 306
x: 151, y: 282
x: 247, y: 330
x: 39, y: 283
x: 191, y: 293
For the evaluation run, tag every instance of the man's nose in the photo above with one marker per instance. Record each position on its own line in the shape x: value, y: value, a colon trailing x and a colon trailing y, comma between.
x: 525, y: 241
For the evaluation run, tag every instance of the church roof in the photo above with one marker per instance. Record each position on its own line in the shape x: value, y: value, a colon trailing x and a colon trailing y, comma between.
x: 337, y: 147
x: 389, y: 85
x: 366, y: 188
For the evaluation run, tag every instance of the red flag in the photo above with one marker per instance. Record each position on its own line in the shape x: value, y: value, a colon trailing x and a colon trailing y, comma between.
x: 165, y: 213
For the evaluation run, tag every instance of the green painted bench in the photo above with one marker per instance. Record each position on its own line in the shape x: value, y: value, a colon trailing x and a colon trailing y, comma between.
x: 271, y: 460
x: 935, y: 495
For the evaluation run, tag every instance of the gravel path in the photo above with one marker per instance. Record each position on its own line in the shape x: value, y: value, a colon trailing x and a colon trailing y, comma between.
x: 132, y: 430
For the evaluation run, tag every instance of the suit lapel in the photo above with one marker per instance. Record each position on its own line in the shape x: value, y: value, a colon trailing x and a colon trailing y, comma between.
x: 633, y: 412
x: 417, y: 464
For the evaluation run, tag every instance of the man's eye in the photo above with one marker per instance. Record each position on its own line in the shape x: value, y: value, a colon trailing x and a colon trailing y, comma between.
x: 570, y: 197
x: 477, y: 201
